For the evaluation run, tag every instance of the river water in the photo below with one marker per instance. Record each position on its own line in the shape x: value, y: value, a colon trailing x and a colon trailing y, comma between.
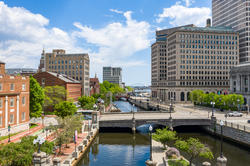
x: 126, y: 149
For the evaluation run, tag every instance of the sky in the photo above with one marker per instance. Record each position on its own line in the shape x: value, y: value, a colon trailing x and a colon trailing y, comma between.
x: 116, y: 33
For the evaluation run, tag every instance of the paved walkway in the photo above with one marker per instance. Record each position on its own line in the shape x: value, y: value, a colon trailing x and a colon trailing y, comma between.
x: 19, y: 136
x: 67, y: 151
x: 157, y: 152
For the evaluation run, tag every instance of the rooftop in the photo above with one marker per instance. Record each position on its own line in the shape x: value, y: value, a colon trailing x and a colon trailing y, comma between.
x: 64, y: 77
x: 208, y: 29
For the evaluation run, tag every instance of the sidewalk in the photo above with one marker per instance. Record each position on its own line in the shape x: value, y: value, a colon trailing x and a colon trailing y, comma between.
x: 19, y: 136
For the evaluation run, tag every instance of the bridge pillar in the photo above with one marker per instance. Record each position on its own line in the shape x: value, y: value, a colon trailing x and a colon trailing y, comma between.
x: 213, y: 123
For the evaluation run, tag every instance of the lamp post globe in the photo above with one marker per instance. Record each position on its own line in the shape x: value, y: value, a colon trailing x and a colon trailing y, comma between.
x: 95, y: 106
x: 212, y: 103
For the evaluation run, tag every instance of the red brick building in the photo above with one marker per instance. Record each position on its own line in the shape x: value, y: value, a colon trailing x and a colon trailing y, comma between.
x: 72, y: 86
x: 94, y: 86
x: 14, y: 102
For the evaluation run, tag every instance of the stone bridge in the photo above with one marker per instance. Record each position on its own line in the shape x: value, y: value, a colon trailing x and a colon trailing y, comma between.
x: 125, y: 120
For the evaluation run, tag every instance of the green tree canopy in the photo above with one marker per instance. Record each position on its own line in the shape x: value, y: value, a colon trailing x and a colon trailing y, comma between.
x: 164, y: 135
x: 65, y: 108
x: 86, y: 102
x: 20, y: 154
x: 66, y: 128
x: 194, y: 148
x: 54, y: 95
x: 36, y: 98
x: 229, y: 101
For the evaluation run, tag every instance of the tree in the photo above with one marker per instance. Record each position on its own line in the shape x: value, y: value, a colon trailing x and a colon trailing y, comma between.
x: 20, y: 154
x: 54, y: 95
x: 86, y: 102
x: 65, y: 108
x: 164, y: 135
x: 196, y: 96
x: 194, y: 149
x: 36, y: 98
x: 66, y: 128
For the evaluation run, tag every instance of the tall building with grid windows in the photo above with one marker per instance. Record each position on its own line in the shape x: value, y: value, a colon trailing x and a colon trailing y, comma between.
x: 75, y: 66
x: 112, y: 75
x: 187, y: 58
x: 235, y: 14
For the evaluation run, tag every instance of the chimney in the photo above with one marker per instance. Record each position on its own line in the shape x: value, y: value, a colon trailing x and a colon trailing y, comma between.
x: 2, y: 68
x: 208, y: 22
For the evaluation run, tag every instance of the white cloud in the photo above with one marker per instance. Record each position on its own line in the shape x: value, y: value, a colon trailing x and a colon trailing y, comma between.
x: 182, y: 15
x: 116, y: 11
x: 23, y: 35
x: 188, y: 2
x: 117, y: 41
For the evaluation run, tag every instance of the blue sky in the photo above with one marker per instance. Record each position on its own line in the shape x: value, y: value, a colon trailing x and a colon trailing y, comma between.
x: 112, y: 32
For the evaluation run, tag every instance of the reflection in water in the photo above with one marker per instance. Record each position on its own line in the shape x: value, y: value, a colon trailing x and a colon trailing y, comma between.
x: 236, y: 155
x: 117, y: 149
x: 125, y: 106
x: 125, y: 149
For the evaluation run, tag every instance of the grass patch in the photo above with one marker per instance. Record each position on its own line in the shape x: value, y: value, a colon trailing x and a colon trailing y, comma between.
x: 7, y: 136
x: 32, y: 125
x: 178, y: 163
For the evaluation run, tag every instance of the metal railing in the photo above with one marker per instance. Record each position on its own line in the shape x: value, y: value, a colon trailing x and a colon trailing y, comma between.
x: 235, y: 125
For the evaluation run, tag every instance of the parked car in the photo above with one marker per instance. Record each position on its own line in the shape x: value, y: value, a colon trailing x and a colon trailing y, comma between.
x: 248, y: 121
x: 235, y: 114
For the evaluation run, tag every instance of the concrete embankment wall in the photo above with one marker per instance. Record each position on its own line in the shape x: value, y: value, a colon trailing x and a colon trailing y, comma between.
x: 233, y: 134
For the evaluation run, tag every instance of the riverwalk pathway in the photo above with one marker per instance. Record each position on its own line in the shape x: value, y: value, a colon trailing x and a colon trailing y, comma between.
x: 157, y: 153
x: 18, y: 137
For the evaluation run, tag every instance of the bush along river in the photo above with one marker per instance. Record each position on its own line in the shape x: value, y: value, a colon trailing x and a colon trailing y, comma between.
x: 127, y: 149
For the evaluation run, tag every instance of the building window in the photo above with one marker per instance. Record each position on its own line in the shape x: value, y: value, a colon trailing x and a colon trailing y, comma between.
x: 23, y: 87
x: 23, y: 100
x: 1, y: 120
x: 12, y: 86
x: 11, y: 118
x: 23, y: 116
x: 43, y: 82
x: 1, y: 103
x: 12, y: 102
x: 1, y: 87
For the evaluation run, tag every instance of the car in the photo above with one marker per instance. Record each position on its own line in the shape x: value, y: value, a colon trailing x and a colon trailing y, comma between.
x: 248, y: 121
x: 235, y: 114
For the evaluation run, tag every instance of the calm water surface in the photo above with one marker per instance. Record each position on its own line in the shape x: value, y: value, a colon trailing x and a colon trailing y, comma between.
x: 125, y: 149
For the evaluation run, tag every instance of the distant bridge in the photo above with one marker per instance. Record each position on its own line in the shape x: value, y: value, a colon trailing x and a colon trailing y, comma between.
x: 124, y: 120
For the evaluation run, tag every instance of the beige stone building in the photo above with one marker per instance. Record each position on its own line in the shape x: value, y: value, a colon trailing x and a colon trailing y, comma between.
x: 189, y: 57
x: 239, y: 81
x: 75, y: 66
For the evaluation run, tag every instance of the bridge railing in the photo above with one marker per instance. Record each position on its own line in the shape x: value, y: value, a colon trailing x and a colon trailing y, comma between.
x: 235, y: 125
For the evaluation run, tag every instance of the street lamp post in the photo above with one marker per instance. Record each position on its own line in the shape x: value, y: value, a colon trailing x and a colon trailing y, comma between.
x: 221, y: 138
x: 212, y: 103
x: 133, y: 111
x: 247, y: 109
x: 43, y: 120
x: 9, y: 131
x: 170, y: 111
x: 238, y: 101
x: 40, y: 141
x: 150, y: 132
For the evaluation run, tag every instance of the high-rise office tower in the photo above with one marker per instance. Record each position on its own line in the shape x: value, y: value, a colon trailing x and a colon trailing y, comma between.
x: 235, y: 14
x: 112, y: 75
x: 75, y: 66
x: 187, y: 58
